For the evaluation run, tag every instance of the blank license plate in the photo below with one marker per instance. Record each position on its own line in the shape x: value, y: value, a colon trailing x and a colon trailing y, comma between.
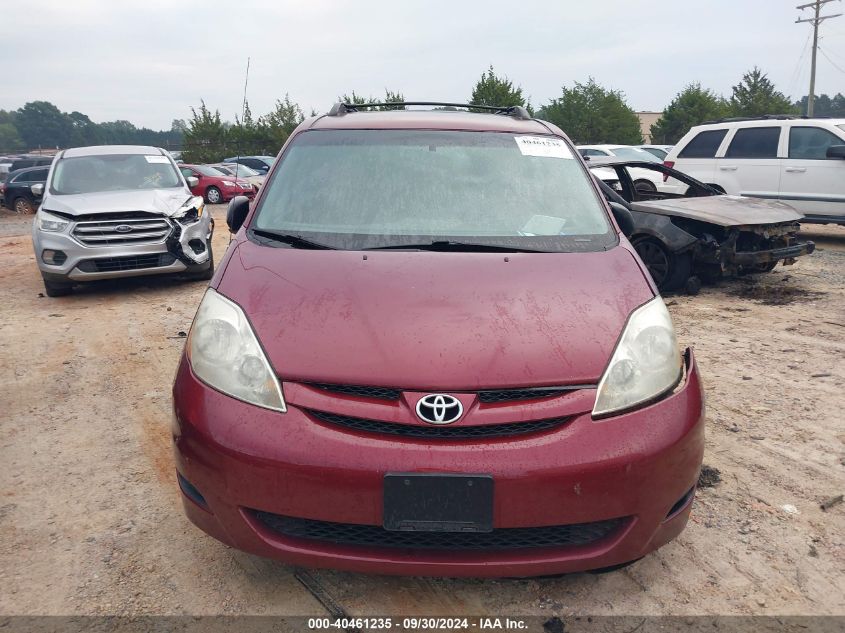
x: 427, y: 502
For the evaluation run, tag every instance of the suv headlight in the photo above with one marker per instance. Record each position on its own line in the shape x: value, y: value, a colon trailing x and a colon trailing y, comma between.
x: 225, y: 354
x: 49, y: 222
x: 645, y: 364
x: 191, y: 211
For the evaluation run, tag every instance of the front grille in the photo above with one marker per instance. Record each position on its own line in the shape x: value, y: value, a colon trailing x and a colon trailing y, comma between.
x: 486, y: 396
x: 499, y: 539
x: 129, y: 228
x: 381, y: 393
x: 438, y: 432
x: 506, y: 395
x: 133, y: 262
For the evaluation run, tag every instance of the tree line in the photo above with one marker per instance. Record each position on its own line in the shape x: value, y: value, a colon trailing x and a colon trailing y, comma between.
x: 588, y: 112
x: 41, y: 125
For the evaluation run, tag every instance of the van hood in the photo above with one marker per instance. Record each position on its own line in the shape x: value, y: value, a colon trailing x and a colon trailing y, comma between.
x: 163, y: 201
x: 435, y: 320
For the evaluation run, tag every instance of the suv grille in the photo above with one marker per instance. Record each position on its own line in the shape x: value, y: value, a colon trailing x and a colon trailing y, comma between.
x: 499, y: 539
x: 438, y: 432
x: 487, y: 396
x: 129, y: 229
x: 133, y: 262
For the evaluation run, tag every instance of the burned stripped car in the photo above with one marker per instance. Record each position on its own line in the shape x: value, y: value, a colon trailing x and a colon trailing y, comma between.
x: 118, y: 211
x: 690, y: 232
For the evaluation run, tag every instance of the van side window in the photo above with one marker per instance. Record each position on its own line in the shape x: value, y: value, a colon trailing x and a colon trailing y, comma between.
x: 703, y: 145
x: 754, y: 142
x: 811, y: 143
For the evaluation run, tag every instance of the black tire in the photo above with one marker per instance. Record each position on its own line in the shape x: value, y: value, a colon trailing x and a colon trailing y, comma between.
x: 645, y: 186
x: 670, y: 271
x: 57, y: 289
x: 22, y: 206
x: 213, y: 195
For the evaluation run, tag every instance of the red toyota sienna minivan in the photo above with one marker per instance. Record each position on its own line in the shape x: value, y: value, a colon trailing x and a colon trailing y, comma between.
x: 430, y: 350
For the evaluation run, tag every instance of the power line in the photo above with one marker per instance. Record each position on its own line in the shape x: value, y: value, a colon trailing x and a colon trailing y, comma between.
x: 796, y: 74
x: 815, y: 21
x: 832, y: 63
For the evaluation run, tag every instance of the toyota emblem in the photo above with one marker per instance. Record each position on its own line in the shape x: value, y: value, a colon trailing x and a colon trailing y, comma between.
x: 439, y: 408
x: 123, y: 228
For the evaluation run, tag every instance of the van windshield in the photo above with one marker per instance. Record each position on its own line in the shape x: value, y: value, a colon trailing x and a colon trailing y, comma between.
x: 358, y: 189
x: 113, y: 172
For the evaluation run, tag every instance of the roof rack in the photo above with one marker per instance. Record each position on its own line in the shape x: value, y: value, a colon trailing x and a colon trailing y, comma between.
x: 517, y: 112
x: 765, y: 117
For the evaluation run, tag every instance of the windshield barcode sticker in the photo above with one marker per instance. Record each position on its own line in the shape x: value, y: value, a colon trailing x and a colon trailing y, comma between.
x: 157, y: 159
x: 544, y: 146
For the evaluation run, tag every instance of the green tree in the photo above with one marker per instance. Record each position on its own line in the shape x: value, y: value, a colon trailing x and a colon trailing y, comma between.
x: 756, y: 95
x: 492, y: 90
x: 692, y: 106
x: 10, y: 140
x: 85, y: 131
x: 205, y: 137
x: 389, y: 97
x: 41, y: 124
x: 277, y: 125
x: 589, y: 113
x: 823, y: 105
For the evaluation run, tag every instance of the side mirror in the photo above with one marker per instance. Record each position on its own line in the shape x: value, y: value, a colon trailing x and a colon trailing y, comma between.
x: 623, y: 218
x: 836, y: 151
x: 37, y: 189
x: 192, y: 181
x: 237, y: 212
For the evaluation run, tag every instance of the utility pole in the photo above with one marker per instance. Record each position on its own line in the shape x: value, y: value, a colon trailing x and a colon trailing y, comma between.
x: 816, y: 20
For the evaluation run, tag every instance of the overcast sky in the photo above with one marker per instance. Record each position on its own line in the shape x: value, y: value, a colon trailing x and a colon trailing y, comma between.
x: 149, y: 61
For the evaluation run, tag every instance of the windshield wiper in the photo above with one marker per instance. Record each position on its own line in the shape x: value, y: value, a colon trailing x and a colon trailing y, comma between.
x: 297, y: 241
x: 452, y: 245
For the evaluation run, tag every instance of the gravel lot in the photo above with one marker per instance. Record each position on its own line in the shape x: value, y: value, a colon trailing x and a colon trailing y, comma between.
x: 91, y: 520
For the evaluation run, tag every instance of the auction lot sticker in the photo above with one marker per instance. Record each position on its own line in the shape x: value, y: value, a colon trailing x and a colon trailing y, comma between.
x: 545, y: 146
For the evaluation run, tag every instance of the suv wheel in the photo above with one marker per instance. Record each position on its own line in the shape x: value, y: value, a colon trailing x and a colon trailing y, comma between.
x: 213, y: 195
x: 23, y: 206
x: 57, y: 289
x: 644, y: 186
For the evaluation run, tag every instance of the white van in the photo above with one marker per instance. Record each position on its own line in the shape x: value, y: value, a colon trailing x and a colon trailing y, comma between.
x: 799, y: 161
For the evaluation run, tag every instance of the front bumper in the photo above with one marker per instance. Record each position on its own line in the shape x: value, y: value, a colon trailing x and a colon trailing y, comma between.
x: 641, y: 467
x: 91, y: 263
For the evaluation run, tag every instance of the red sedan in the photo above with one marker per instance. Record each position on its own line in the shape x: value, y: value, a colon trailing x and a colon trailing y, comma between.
x: 430, y: 349
x: 214, y: 185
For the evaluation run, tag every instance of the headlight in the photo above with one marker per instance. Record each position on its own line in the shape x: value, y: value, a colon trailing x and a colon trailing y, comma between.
x: 228, y: 183
x: 225, y: 354
x: 191, y: 211
x: 645, y: 364
x: 49, y: 222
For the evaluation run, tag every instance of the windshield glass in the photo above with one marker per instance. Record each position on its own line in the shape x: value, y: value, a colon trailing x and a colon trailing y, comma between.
x: 240, y: 170
x: 374, y: 188
x: 208, y: 170
x: 116, y: 172
x: 634, y: 153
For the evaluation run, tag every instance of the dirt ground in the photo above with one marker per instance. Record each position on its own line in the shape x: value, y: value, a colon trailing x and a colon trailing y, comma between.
x: 91, y: 520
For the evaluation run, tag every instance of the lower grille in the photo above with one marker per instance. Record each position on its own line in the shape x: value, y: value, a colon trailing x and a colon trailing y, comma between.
x: 499, y: 539
x: 438, y: 432
x: 134, y: 262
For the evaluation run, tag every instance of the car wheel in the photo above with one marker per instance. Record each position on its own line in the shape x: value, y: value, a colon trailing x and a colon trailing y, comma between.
x: 213, y: 195
x: 23, y: 206
x: 57, y: 289
x: 669, y: 270
x: 645, y: 186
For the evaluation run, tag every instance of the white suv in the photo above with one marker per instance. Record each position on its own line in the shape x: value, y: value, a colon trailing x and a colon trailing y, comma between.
x: 796, y: 160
